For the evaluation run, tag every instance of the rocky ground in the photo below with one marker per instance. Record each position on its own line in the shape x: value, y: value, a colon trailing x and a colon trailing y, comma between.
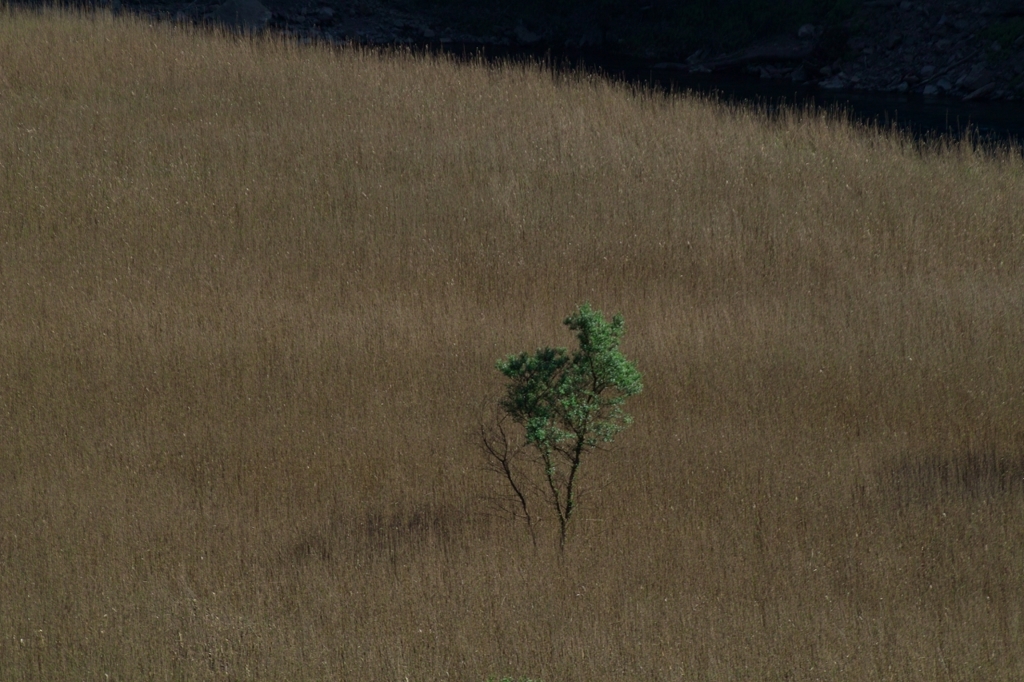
x: 943, y: 48
x: 969, y: 50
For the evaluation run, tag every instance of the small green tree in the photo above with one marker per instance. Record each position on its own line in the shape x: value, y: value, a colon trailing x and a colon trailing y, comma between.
x: 568, y: 404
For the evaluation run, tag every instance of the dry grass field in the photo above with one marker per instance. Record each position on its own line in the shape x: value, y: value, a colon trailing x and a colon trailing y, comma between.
x: 251, y: 298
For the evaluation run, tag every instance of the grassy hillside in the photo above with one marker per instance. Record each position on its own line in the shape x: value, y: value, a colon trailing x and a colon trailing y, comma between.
x: 252, y: 297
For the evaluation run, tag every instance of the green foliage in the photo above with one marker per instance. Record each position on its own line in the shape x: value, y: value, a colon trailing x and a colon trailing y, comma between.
x: 573, y: 400
x: 1005, y: 32
x: 570, y: 403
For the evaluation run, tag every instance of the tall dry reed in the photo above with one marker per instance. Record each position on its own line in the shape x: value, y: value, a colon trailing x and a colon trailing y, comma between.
x: 251, y: 296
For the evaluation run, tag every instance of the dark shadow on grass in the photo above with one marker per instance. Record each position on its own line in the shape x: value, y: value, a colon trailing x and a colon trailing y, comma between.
x: 389, y: 532
x: 972, y: 474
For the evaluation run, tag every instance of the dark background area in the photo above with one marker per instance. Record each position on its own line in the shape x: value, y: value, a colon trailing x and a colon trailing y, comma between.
x: 664, y: 27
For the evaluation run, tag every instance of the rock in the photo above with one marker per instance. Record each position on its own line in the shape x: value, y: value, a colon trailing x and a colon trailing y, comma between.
x: 592, y: 38
x: 927, y: 71
x: 249, y: 15
x: 773, y: 51
x: 930, y: 90
x: 981, y: 92
x: 697, y: 57
x: 806, y: 32
x: 978, y: 77
x: 834, y: 83
x: 524, y: 35
x: 799, y: 74
x: 833, y: 43
x: 774, y: 72
x: 944, y: 85
x: 1012, y: 8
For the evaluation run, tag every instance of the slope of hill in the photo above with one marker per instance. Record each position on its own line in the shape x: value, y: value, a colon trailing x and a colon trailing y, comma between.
x: 253, y: 294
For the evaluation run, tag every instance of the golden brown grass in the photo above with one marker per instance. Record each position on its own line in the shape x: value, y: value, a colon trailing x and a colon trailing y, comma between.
x: 252, y: 296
